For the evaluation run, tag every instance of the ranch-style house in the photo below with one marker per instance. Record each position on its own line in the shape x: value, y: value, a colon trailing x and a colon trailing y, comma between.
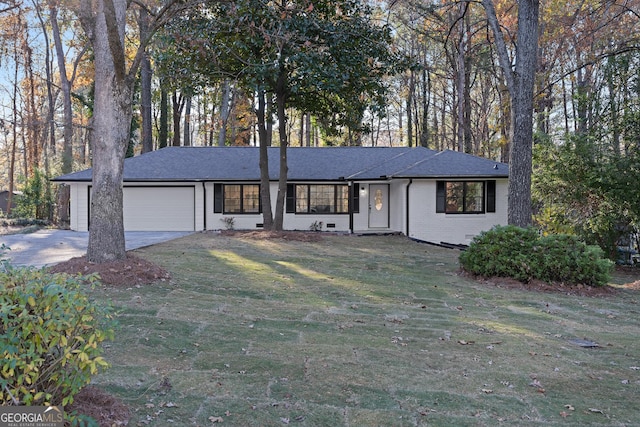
x: 432, y: 196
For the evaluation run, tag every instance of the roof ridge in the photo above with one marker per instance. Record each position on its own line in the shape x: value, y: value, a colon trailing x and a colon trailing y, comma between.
x: 373, y: 166
x: 433, y: 154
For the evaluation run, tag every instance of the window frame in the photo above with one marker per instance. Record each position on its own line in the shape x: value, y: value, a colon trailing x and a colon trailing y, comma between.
x: 488, y: 204
x: 339, y: 205
x: 221, y: 200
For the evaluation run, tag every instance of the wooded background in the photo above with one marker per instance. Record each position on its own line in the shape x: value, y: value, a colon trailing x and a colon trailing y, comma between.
x: 432, y: 76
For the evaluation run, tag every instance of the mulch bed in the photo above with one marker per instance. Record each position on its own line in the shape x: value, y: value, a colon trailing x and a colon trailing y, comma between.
x: 106, y: 409
x: 126, y: 272
x: 297, y: 236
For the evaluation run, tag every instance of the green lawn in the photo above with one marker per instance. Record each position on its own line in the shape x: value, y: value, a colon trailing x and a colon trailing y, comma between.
x: 361, y: 331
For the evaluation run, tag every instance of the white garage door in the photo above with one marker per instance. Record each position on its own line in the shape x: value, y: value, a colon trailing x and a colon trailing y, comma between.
x: 159, y: 208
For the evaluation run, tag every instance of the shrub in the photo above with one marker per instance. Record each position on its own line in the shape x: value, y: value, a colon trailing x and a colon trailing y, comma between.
x: 501, y: 251
x: 50, y: 335
x: 509, y: 251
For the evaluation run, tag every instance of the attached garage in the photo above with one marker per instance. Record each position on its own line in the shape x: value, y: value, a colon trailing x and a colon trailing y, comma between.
x: 159, y: 208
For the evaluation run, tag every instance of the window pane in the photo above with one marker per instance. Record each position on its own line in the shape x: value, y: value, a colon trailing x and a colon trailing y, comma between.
x: 455, y: 196
x: 474, y: 196
x: 342, y: 199
x: 302, y: 198
x: 321, y: 198
x: 251, y: 198
x: 232, y: 198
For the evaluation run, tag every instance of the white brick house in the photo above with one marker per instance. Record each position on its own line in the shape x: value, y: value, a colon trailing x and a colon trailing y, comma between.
x: 427, y: 195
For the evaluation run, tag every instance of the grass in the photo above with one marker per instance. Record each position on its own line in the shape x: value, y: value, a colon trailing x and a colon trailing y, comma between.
x: 361, y: 331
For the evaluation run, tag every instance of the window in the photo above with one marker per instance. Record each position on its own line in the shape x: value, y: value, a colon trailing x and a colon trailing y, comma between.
x: 237, y: 198
x: 466, y: 196
x: 322, y: 199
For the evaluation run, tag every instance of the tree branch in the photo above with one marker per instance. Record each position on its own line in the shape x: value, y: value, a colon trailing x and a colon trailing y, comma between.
x: 503, y: 53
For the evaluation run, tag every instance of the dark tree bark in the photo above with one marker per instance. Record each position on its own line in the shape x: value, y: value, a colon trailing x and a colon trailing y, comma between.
x: 145, y: 88
x: 225, y: 111
x: 265, y: 190
x: 177, y: 105
x: 281, y: 105
x: 111, y: 124
x: 186, y: 139
x: 163, y: 132
x: 520, y: 82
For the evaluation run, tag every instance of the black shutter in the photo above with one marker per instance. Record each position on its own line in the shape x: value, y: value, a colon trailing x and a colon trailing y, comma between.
x: 491, y: 196
x: 217, y: 198
x: 441, y: 196
x: 291, y: 199
x: 355, y: 198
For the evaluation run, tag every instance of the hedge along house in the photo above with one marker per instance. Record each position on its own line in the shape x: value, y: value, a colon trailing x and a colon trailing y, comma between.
x: 438, y: 197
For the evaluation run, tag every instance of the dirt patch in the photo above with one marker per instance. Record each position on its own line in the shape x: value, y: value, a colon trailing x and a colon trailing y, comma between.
x: 126, y: 272
x: 106, y: 409
x: 297, y: 236
x: 629, y: 277
x: 540, y: 286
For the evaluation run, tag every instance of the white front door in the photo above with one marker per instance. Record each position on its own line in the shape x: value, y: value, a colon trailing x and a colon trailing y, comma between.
x: 378, y: 206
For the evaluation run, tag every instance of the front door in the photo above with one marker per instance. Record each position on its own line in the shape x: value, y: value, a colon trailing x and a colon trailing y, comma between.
x: 378, y: 206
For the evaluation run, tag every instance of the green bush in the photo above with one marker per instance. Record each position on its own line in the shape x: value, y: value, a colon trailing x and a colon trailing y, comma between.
x: 50, y: 336
x: 509, y: 251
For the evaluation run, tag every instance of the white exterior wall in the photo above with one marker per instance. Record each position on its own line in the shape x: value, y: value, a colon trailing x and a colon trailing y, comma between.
x: 424, y: 223
x: 80, y: 207
x: 216, y: 221
x: 427, y: 225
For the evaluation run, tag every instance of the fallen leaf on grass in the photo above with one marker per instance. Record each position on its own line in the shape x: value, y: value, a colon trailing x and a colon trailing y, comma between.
x: 216, y: 419
x: 564, y: 414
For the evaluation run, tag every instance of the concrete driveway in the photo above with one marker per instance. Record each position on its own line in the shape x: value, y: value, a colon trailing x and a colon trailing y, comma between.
x: 48, y: 247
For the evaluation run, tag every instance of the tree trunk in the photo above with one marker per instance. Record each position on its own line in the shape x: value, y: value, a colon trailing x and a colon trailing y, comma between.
x: 265, y: 190
x: 426, y: 89
x: 409, y: 103
x: 145, y: 88
x: 64, y: 191
x: 281, y: 100
x: 112, y: 121
x: 177, y: 104
x: 520, y: 84
x: 186, y: 139
x: 163, y: 132
x: 225, y: 110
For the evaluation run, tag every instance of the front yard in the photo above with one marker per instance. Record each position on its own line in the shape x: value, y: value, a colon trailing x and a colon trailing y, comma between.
x: 362, y: 331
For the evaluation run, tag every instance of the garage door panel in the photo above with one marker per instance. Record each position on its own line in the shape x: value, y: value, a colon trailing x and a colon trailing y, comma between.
x: 159, y: 208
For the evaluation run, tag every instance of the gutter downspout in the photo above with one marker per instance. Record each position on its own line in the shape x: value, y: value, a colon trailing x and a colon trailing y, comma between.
x: 350, y: 204
x: 204, y: 197
x: 407, y: 197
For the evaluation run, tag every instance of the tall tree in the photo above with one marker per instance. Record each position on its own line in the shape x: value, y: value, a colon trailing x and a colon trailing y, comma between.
x: 104, y: 22
x: 520, y: 80
x: 324, y: 58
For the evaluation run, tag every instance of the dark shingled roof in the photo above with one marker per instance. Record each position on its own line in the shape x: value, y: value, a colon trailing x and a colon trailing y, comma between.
x: 305, y: 164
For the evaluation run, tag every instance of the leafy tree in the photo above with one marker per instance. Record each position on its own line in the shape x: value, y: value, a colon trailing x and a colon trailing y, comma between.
x: 325, y: 58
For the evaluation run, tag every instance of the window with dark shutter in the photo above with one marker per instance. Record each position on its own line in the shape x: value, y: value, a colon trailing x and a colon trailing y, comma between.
x: 217, y: 198
x: 291, y: 199
x: 491, y: 196
x: 355, y: 198
x: 441, y: 197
